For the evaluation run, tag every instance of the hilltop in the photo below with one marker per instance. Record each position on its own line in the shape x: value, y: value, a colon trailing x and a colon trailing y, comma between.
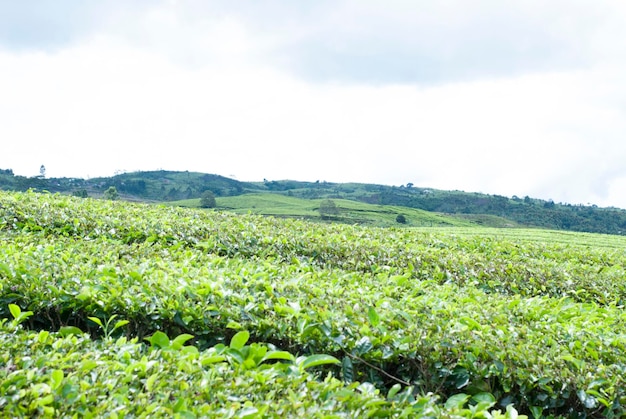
x: 474, y: 208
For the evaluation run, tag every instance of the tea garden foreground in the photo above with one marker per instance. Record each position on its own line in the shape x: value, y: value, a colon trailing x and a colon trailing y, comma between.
x: 112, y: 309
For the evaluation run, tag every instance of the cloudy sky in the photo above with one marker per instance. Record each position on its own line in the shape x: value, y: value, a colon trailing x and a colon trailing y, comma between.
x: 504, y: 97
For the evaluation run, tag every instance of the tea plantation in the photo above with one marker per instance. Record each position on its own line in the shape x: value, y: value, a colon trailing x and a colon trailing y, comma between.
x: 112, y: 309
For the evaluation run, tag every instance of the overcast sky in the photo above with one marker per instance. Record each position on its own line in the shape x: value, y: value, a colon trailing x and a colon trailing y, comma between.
x: 503, y: 97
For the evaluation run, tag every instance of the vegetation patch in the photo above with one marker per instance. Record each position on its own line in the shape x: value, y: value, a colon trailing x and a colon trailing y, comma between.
x: 201, y: 313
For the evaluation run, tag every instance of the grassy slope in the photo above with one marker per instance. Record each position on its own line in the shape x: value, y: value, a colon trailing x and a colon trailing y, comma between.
x: 534, y: 235
x: 350, y: 211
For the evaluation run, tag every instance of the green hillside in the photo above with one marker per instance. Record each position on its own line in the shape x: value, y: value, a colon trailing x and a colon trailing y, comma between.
x: 158, y: 186
x: 351, y: 212
x: 481, y: 209
x: 523, y: 211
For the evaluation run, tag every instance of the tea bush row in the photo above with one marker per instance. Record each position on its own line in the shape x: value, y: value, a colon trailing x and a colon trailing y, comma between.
x: 516, y: 264
x: 67, y: 374
x: 542, y: 354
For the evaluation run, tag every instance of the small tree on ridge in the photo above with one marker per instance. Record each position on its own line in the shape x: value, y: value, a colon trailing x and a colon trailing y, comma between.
x: 328, y: 209
x: 111, y: 193
x: 207, y: 200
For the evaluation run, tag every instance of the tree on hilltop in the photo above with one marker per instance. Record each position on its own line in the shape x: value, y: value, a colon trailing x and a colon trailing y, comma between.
x: 81, y: 193
x: 111, y: 193
x: 207, y: 200
x: 328, y: 209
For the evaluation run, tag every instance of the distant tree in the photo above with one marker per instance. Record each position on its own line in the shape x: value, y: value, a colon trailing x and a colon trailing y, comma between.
x: 173, y: 194
x: 133, y: 186
x: 401, y: 219
x: 207, y: 200
x: 328, y: 209
x: 42, y: 172
x: 409, y: 185
x: 111, y: 194
x: 81, y: 193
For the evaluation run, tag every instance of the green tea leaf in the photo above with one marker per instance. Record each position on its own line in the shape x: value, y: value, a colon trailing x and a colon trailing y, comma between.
x: 96, y: 321
x: 320, y: 359
x: 239, y: 340
x: 159, y: 340
x: 179, y: 341
x: 212, y: 360
x: 150, y: 381
x: 536, y: 411
x: 87, y: 365
x: 511, y: 412
x: 363, y: 346
x: 373, y: 316
x: 248, y: 412
x: 5, y: 270
x: 120, y: 323
x: 484, y: 397
x: 57, y: 379
x: 347, y: 369
x: 588, y: 401
x: 234, y: 325
x: 457, y: 401
x: 43, y: 336
x: 15, y: 310
x: 393, y: 391
x: 278, y: 355
x: 70, y: 330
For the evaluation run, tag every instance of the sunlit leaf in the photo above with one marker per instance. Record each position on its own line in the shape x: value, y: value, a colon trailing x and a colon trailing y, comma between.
x: 70, y: 330
x: 457, y: 401
x: 373, y: 316
x: 15, y: 310
x: 239, y: 340
x: 159, y: 340
x: 317, y: 360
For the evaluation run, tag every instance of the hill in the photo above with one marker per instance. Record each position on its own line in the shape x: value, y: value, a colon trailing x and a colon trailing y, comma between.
x: 488, y: 210
x: 348, y: 211
x: 523, y: 211
x: 158, y: 186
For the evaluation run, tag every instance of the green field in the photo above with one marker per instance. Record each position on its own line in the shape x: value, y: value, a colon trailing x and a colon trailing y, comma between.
x: 113, y: 309
x: 350, y: 212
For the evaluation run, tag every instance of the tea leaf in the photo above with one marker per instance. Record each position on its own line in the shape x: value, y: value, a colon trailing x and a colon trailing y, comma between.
x: 239, y: 340
x: 457, y: 401
x: 159, y: 340
x: 317, y: 360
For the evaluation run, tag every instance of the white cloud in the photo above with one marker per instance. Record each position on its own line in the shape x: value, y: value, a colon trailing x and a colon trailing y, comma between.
x: 163, y: 87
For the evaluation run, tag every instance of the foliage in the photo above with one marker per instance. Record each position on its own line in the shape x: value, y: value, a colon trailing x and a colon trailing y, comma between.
x: 477, y: 318
x: 111, y: 194
x: 68, y: 374
x: 328, y: 209
x: 81, y: 193
x: 207, y: 200
x: 352, y: 212
x: 480, y: 208
x: 401, y: 219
